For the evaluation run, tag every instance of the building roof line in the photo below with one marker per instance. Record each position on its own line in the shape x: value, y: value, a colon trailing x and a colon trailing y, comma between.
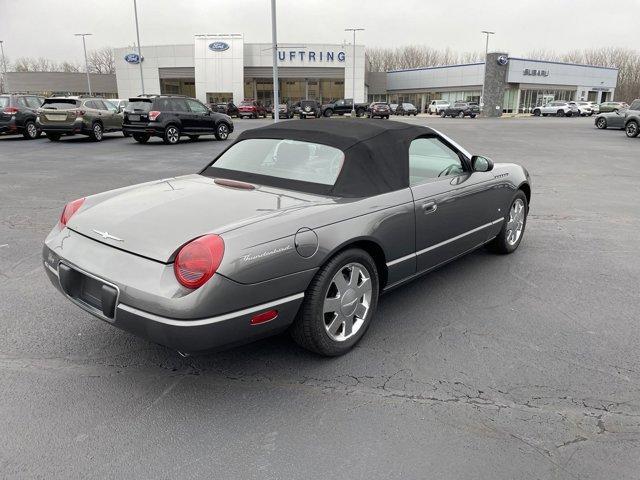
x: 562, y: 63
x: 433, y: 68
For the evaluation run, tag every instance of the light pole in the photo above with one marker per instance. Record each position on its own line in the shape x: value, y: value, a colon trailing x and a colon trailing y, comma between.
x: 274, y: 47
x: 4, y: 68
x: 86, y: 62
x: 135, y: 13
x: 486, y: 52
x: 353, y: 65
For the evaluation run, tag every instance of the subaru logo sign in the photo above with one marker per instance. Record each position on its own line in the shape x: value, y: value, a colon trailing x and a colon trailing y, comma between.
x: 218, y: 46
x: 133, y: 58
x: 503, y: 60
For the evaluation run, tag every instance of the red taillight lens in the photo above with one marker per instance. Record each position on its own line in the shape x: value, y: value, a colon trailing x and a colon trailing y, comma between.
x: 264, y: 317
x: 69, y: 211
x: 80, y: 113
x: 10, y: 110
x: 153, y: 114
x: 198, y: 260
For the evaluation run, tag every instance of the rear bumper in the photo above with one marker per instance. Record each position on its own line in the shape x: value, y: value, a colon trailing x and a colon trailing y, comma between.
x: 143, y: 128
x: 142, y: 297
x: 196, y: 335
x: 75, y: 127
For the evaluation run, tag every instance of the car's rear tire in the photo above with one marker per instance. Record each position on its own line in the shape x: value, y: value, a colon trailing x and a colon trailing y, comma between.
x: 461, y: 114
x: 171, y: 135
x: 632, y: 129
x: 222, y: 131
x: 560, y: 113
x: 536, y: 112
x: 30, y: 131
x: 54, y: 137
x: 97, y: 132
x: 359, y: 112
x: 126, y: 134
x: 339, y: 304
x: 141, y: 137
x: 194, y: 138
x: 601, y: 123
x: 443, y: 113
x: 513, y: 226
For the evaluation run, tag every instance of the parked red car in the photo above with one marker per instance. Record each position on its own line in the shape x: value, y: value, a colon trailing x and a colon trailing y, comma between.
x: 250, y: 108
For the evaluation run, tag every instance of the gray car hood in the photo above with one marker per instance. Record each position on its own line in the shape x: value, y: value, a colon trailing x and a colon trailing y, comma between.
x: 155, y: 219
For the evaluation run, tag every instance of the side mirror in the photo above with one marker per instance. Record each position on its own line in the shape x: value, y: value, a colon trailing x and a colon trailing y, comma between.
x: 481, y: 164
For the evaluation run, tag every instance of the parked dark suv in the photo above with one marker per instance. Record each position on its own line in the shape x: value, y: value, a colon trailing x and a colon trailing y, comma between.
x: 18, y: 114
x: 228, y: 108
x: 172, y: 116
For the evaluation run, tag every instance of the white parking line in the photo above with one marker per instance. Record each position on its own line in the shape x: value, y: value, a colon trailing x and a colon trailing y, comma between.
x: 4, y: 245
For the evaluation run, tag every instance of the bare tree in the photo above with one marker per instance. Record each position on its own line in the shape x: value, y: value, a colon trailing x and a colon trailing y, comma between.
x: 102, y: 61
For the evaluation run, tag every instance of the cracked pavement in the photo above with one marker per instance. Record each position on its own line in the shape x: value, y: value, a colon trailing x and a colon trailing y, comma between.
x: 523, y: 366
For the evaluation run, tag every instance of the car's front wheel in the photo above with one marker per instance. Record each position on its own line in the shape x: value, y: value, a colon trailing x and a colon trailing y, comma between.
x: 461, y: 114
x: 513, y: 225
x: 222, y: 131
x: 171, y: 135
x: 601, y: 123
x: 536, y: 112
x: 443, y: 114
x: 328, y: 112
x: 632, y: 129
x: 339, y: 304
x: 560, y: 113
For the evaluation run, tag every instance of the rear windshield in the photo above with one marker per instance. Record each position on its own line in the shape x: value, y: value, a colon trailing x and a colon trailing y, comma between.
x: 307, y: 102
x: 246, y: 104
x: 4, y: 102
x: 282, y: 159
x: 60, y: 104
x: 140, y: 105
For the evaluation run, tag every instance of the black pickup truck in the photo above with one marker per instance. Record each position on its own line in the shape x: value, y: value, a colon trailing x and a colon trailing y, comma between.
x: 340, y: 107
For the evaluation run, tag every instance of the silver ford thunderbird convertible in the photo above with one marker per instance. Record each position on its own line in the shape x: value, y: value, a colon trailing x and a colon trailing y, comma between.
x: 299, y: 225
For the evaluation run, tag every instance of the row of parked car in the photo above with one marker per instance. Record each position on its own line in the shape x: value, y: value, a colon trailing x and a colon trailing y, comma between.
x: 169, y: 117
x: 627, y: 119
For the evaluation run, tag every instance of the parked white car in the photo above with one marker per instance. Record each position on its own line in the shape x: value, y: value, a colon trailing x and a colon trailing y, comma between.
x: 559, y: 108
x: 436, y: 106
x: 586, y: 108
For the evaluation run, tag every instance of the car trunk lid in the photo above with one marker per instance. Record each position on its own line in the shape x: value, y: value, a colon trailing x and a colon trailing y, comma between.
x: 154, y: 220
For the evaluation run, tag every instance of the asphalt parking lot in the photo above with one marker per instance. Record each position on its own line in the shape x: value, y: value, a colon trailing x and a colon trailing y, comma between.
x: 493, y: 367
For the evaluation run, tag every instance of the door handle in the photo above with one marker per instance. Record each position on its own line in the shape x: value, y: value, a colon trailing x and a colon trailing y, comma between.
x: 429, y: 207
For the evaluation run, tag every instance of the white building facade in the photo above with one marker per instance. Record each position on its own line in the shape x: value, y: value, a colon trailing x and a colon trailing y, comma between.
x: 222, y: 67
x: 529, y: 83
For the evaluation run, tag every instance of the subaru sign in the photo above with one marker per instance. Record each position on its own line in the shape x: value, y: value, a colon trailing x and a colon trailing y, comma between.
x: 133, y: 58
x: 218, y: 46
x: 503, y: 60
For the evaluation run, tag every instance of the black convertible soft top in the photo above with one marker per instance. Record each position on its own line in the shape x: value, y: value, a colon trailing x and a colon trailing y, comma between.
x: 376, y: 151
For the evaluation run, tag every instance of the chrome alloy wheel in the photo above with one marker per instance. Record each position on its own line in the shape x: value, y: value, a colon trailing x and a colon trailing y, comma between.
x: 347, y: 302
x: 32, y: 130
x: 97, y: 132
x: 223, y: 131
x: 632, y: 129
x: 515, y: 224
x: 173, y: 135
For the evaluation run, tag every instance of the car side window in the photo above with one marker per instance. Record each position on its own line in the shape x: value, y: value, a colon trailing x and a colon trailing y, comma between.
x: 196, y: 107
x: 22, y: 102
x: 635, y: 105
x: 34, y: 102
x: 179, y: 105
x: 430, y: 158
x: 110, y: 106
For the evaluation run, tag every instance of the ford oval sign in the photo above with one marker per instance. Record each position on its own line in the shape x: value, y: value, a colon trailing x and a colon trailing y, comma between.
x: 218, y: 46
x: 132, y: 58
x: 503, y: 60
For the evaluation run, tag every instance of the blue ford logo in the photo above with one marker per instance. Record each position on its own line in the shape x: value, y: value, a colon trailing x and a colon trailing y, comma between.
x: 218, y: 46
x: 503, y: 60
x: 132, y: 58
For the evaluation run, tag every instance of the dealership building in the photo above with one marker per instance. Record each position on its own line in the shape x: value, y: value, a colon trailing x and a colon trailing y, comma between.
x: 222, y: 67
x: 217, y: 68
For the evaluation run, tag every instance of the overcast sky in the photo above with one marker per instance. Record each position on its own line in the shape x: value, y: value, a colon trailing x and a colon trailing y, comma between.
x: 45, y: 27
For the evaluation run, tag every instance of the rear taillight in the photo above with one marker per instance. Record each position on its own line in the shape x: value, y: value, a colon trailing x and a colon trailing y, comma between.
x: 153, y: 114
x: 198, y: 260
x: 69, y: 211
x: 80, y: 113
x: 10, y: 110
